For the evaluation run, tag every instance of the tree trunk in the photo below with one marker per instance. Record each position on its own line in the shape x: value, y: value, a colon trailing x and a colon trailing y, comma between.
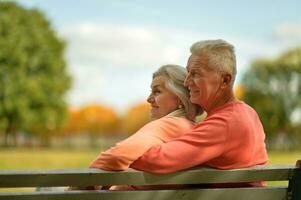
x: 10, y: 135
x: 5, y: 142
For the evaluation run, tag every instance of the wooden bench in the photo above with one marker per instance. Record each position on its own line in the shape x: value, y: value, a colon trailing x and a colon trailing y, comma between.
x: 84, y: 177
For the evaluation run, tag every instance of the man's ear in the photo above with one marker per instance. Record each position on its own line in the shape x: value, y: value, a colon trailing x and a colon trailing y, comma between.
x: 226, y: 80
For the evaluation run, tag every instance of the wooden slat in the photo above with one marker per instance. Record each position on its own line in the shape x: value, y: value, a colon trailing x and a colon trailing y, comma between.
x: 275, y: 193
x: 81, y: 177
x: 295, y: 184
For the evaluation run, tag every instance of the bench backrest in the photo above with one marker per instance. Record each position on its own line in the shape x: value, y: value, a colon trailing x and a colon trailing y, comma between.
x: 85, y: 177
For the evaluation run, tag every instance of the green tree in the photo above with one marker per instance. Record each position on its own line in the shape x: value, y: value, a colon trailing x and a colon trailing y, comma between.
x: 273, y: 88
x: 33, y: 77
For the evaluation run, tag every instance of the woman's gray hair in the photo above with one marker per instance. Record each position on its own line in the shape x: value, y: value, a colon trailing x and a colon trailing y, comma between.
x: 221, y: 55
x: 175, y: 83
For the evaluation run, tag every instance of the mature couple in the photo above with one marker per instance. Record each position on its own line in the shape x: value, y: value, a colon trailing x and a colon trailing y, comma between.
x: 230, y: 137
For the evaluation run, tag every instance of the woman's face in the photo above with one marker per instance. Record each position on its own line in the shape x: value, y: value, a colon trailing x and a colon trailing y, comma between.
x: 161, y: 99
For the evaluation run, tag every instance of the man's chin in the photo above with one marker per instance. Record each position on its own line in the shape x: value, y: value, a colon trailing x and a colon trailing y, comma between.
x: 194, y: 100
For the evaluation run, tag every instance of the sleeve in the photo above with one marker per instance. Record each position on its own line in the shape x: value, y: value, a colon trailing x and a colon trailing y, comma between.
x: 120, y: 156
x: 205, y: 142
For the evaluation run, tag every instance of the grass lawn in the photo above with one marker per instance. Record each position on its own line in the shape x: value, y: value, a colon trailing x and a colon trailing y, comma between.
x: 277, y: 157
x: 70, y: 158
x: 46, y: 158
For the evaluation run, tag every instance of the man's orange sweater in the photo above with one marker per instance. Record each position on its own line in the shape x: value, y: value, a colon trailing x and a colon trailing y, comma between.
x: 230, y: 137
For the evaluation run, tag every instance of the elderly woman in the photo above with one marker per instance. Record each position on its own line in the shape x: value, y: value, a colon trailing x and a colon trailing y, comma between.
x: 172, y: 115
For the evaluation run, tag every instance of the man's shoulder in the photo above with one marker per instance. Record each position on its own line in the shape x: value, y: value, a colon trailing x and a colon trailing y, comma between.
x: 234, y: 111
x: 237, y: 106
x: 244, y: 108
x: 243, y: 115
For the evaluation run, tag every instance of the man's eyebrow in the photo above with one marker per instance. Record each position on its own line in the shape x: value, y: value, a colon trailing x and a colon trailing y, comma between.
x: 192, y: 69
x: 192, y: 65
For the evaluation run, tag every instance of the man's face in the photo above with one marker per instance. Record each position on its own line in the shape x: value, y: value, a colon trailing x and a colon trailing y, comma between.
x: 202, y: 82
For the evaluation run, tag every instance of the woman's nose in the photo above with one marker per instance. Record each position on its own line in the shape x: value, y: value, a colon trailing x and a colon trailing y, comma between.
x: 150, y: 98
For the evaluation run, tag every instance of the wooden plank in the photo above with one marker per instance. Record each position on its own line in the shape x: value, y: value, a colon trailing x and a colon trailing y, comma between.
x: 82, y: 177
x: 275, y: 193
x: 295, y: 185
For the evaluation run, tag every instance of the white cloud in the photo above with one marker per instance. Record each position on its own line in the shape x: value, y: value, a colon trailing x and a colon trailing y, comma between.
x: 87, y: 84
x: 112, y: 64
x: 286, y: 36
x: 119, y: 46
x: 288, y: 31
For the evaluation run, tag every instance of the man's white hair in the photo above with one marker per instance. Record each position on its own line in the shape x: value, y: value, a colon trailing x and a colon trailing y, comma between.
x: 221, y: 55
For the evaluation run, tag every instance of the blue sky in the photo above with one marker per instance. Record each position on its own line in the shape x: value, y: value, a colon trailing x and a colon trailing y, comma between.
x: 115, y: 45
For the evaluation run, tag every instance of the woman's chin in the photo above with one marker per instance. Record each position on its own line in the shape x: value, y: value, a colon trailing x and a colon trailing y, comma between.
x: 155, y: 115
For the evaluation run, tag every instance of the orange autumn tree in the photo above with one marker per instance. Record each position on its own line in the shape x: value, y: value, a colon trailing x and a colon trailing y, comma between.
x: 136, y: 117
x: 74, y: 124
x: 98, y: 119
x: 90, y: 119
x: 239, y: 91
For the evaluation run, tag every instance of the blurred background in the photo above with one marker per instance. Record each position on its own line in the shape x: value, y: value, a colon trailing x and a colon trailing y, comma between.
x: 75, y: 75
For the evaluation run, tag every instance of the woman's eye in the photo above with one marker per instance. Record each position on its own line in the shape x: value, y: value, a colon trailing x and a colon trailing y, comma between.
x: 156, y: 92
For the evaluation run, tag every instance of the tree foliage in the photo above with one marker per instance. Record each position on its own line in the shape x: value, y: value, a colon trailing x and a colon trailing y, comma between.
x: 91, y: 119
x: 273, y: 88
x: 239, y: 91
x: 136, y: 117
x: 98, y: 119
x: 33, y: 77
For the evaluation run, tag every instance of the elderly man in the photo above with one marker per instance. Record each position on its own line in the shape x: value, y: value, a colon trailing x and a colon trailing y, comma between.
x: 230, y: 137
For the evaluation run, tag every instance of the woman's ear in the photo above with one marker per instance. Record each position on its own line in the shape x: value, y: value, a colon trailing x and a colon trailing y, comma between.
x: 180, y: 104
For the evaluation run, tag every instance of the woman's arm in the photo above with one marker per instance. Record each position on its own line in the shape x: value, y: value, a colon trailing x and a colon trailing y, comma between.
x: 123, y: 154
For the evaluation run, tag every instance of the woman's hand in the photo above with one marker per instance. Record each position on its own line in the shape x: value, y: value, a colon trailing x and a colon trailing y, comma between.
x: 70, y: 188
